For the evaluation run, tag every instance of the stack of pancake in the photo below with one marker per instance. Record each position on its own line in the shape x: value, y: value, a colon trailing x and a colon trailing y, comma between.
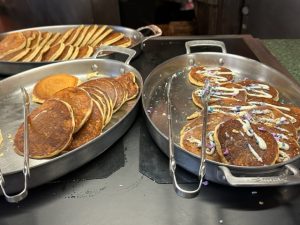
x: 247, y: 124
x: 72, y: 113
x: 74, y: 43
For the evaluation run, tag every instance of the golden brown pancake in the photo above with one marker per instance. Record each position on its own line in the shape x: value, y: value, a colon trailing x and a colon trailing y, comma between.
x: 216, y: 75
x: 191, y: 134
x: 67, y: 53
x: 240, y: 143
x: 90, y: 32
x: 73, y: 36
x: 98, y: 32
x: 103, y: 102
x: 101, y: 37
x: 257, y: 90
x: 105, y: 86
x: 267, y: 115
x: 222, y: 92
x: 112, y: 38
x: 39, y: 56
x: 85, y: 52
x: 120, y: 90
x: 91, y: 129
x: 45, y: 88
x: 29, y: 35
x: 81, y: 36
x: 75, y: 53
x: 53, y: 53
x: 45, y: 38
x: 54, y: 39
x: 128, y: 79
x: 12, y: 43
x: 51, y: 128
x: 80, y: 102
x: 31, y: 54
x: 124, y: 42
x: 15, y: 56
x: 36, y: 40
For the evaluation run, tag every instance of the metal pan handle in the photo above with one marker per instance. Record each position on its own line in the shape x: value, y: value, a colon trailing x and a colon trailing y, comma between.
x: 172, y: 163
x: 155, y: 29
x: 291, y: 176
x: 26, y: 171
x: 190, y: 44
x: 126, y: 51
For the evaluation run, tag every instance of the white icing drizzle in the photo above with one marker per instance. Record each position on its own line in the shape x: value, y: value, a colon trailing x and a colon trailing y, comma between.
x: 212, y: 146
x: 249, y: 131
x: 195, y: 141
x: 283, y: 156
x: 283, y: 146
x: 217, y: 108
x: 260, y: 112
x: 258, y: 90
x: 277, y: 121
x: 214, y: 73
x: 255, y: 153
x: 281, y: 129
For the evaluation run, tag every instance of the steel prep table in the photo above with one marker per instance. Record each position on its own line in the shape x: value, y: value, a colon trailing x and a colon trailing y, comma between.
x: 120, y: 194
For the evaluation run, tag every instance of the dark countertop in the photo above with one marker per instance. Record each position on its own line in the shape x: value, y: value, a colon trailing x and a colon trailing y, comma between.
x: 126, y: 196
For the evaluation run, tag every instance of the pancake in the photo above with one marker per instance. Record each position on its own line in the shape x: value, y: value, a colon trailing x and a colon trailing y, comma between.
x: 48, y: 86
x: 112, y: 38
x: 124, y: 42
x: 98, y: 40
x: 53, y: 53
x: 191, y: 134
x: 12, y: 43
x: 85, y: 52
x: 128, y: 80
x: 74, y: 54
x: 73, y: 36
x: 257, y: 90
x: 103, y: 102
x: 54, y: 38
x: 292, y: 112
x: 90, y: 32
x: 51, y: 128
x: 120, y: 90
x: 91, y: 129
x: 81, y: 36
x: 105, y: 86
x: 241, y: 143
x: 39, y: 55
x: 36, y: 40
x: 45, y: 38
x: 31, y: 54
x: 97, y: 33
x: 80, y: 102
x: 267, y: 115
x: 216, y: 75
x: 222, y: 92
x: 15, y: 56
x: 29, y: 35
x: 67, y: 53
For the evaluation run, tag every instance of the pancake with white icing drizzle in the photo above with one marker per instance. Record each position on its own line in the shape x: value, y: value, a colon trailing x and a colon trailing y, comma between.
x: 226, y: 91
x: 238, y: 142
x: 191, y: 133
x: 257, y: 90
x: 216, y: 75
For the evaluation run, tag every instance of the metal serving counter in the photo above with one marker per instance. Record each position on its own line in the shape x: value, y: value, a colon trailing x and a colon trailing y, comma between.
x: 115, y: 188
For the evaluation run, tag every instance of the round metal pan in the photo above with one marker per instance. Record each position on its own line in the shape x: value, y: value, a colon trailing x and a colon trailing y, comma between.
x: 155, y: 107
x: 138, y: 40
x: 45, y: 170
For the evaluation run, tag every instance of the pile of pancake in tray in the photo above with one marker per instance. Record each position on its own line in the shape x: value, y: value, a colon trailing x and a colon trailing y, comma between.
x: 74, y: 43
x: 72, y: 113
x: 247, y: 124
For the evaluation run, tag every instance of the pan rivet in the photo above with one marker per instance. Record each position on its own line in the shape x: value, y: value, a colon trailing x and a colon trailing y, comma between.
x: 122, y: 70
x: 94, y: 68
x: 221, y: 62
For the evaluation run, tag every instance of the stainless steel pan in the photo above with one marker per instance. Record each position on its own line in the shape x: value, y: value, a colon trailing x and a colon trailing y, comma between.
x: 155, y: 106
x: 11, y: 117
x: 138, y: 40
